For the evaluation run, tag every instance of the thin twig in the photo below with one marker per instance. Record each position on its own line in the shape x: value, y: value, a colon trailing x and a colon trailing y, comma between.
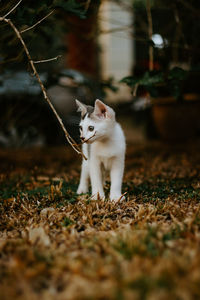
x: 150, y: 33
x: 121, y: 197
x: 8, y: 13
x: 87, y: 4
x: 123, y: 28
x: 68, y: 137
x: 134, y: 91
x: 189, y: 6
x: 90, y: 138
x: 178, y: 36
x: 46, y: 60
x: 34, y: 25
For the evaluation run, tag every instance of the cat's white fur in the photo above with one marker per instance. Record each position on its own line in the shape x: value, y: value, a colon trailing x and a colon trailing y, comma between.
x: 105, y: 149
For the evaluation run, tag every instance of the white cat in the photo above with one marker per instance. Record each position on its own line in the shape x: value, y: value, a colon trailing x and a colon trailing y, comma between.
x: 104, y: 146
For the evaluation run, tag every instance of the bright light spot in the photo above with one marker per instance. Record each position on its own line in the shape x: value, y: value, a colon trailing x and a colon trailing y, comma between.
x: 158, y: 40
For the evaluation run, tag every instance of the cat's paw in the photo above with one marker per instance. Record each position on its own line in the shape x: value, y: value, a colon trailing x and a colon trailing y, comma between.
x: 117, y: 198
x: 82, y: 190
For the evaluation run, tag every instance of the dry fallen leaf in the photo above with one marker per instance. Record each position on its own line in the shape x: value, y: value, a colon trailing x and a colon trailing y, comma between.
x: 38, y: 235
x: 47, y: 211
x: 55, y: 244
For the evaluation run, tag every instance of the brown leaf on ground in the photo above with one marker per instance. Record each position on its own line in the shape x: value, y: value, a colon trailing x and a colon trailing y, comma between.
x: 55, y: 244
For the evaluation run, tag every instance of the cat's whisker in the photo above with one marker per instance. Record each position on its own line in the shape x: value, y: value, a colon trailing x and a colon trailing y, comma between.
x: 89, y: 138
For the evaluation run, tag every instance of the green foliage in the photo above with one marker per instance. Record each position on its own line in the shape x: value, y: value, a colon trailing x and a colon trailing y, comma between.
x: 56, y: 192
x: 29, y: 11
x: 109, y: 85
x: 67, y: 222
x: 70, y: 6
x: 155, y: 82
x: 146, y: 247
x: 46, y: 37
x: 144, y: 284
x: 161, y: 190
x: 173, y: 234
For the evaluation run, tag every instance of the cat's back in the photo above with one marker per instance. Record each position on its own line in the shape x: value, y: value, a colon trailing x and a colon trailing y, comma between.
x: 119, y: 139
x: 119, y: 134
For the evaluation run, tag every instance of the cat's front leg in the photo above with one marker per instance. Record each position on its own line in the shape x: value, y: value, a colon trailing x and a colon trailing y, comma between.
x: 84, y: 179
x: 116, y: 175
x: 96, y: 178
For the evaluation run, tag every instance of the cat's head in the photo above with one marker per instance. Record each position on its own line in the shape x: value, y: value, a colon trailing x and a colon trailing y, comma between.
x: 96, y: 122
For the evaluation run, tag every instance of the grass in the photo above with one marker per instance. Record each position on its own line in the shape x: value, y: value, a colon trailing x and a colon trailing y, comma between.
x: 56, y: 244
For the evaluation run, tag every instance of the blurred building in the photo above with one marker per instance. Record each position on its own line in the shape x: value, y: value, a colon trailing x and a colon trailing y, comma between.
x: 101, y: 46
x: 116, y: 45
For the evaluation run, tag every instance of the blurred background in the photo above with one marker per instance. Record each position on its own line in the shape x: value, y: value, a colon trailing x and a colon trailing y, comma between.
x: 139, y: 56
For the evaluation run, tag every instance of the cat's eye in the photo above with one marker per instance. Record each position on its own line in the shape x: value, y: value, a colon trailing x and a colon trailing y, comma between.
x: 80, y: 127
x: 90, y: 128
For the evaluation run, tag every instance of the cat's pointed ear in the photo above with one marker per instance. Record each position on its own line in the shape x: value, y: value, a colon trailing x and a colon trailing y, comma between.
x: 103, y: 111
x: 81, y: 107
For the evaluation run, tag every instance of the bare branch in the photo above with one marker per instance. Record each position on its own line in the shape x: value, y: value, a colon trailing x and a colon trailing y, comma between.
x: 68, y: 137
x: 150, y: 33
x: 34, y: 25
x: 134, y: 91
x: 8, y: 13
x: 46, y: 60
x: 112, y: 30
x: 189, y: 6
x: 87, y: 4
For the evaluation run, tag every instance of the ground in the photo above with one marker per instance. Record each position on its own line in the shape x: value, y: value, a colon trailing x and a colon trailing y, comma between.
x: 55, y: 244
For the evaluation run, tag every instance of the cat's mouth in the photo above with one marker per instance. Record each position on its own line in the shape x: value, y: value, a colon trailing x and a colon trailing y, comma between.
x: 88, y: 140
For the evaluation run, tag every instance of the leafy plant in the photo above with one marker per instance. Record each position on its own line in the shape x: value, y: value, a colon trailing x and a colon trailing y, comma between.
x: 70, y: 6
x: 50, y: 32
x: 159, y: 83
